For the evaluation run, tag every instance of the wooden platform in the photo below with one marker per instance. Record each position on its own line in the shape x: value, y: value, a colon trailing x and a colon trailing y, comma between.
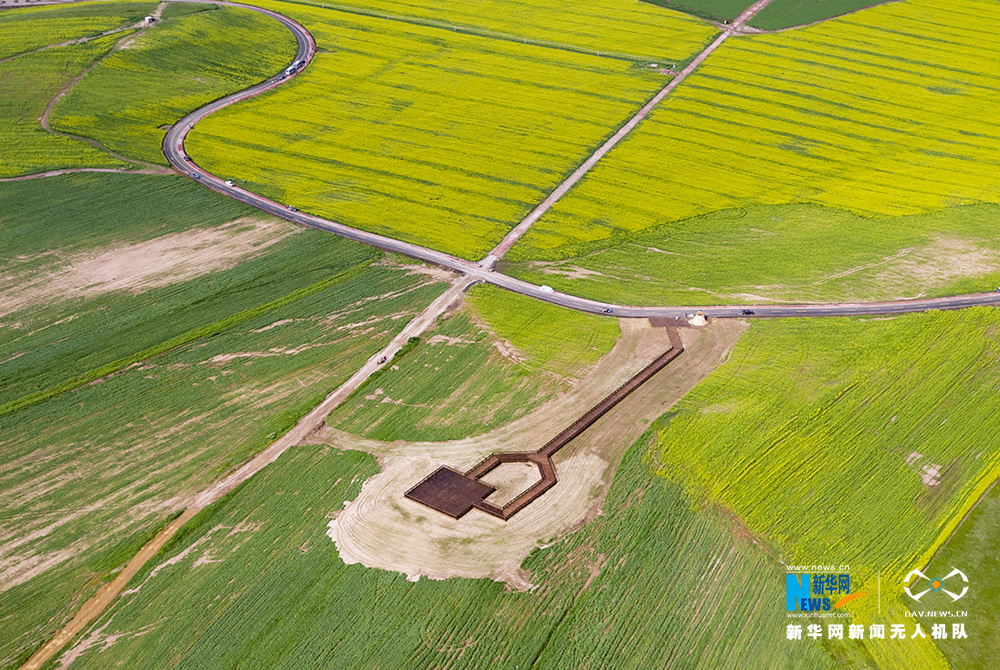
x: 455, y: 493
x: 450, y: 492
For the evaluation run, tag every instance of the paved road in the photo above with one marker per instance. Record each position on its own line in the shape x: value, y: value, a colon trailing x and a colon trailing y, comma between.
x: 173, y: 148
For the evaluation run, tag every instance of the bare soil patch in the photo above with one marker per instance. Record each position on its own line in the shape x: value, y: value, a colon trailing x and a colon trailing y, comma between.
x: 142, y: 265
x: 383, y: 529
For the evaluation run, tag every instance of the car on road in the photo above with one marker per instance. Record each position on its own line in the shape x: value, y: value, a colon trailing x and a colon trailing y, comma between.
x: 291, y: 209
x: 607, y: 310
x: 382, y: 360
x: 186, y: 157
x: 748, y: 312
x: 196, y: 175
x: 229, y: 183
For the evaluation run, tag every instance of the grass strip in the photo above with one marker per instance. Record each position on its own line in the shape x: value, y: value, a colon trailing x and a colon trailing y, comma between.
x: 180, y: 340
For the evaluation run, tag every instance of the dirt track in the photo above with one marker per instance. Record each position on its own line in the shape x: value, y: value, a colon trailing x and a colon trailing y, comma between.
x: 309, y: 424
x: 382, y: 529
x: 105, y: 595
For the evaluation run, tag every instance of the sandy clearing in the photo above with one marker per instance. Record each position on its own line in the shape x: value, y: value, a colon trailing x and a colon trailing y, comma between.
x: 142, y: 265
x: 382, y: 529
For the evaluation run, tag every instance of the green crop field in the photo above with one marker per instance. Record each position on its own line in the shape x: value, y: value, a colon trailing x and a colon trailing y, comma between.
x: 49, y: 334
x: 973, y: 550
x: 173, y: 67
x: 31, y: 28
x: 451, y: 385
x: 855, y: 441
x: 788, y: 253
x: 31, y: 82
x: 787, y: 13
x: 255, y: 581
x: 552, y: 338
x: 628, y: 28
x: 884, y: 112
x: 460, y: 381
x: 147, y: 350
x: 472, y: 131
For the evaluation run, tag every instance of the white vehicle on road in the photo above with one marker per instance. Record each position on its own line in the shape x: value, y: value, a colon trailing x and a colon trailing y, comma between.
x: 229, y: 183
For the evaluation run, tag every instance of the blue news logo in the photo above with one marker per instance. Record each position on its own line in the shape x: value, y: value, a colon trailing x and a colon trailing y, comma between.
x: 811, y: 592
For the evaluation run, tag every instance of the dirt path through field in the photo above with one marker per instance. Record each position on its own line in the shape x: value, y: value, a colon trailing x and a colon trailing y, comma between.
x: 382, y: 529
x: 43, y: 120
x: 55, y: 173
x: 311, y: 423
x: 105, y: 595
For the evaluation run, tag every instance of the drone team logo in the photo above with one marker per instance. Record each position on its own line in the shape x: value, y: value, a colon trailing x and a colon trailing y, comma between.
x: 934, y: 584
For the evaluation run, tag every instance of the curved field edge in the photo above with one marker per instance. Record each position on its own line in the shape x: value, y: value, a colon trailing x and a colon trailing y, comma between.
x: 43, y: 26
x: 174, y: 66
x: 452, y: 177
x: 650, y: 536
x: 614, y: 28
x: 832, y: 115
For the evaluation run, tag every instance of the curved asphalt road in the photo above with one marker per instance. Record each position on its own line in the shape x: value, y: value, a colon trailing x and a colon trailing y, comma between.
x: 173, y: 149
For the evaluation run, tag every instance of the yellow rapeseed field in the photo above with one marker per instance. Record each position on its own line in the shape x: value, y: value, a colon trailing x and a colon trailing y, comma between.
x: 619, y: 26
x: 888, y: 111
x: 436, y: 137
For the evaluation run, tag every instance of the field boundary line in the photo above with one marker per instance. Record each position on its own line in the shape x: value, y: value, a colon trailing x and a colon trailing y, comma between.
x: 564, y: 187
x: 43, y: 121
x: 307, y: 425
x: 477, y: 32
x: 181, y: 340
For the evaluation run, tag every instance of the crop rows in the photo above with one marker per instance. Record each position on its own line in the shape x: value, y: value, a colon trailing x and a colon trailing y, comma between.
x: 255, y: 580
x: 30, y: 28
x: 30, y: 83
x: 471, y: 132
x: 885, y: 112
x: 787, y: 13
x: 787, y: 253
x: 173, y: 67
x: 851, y: 441
x: 90, y: 473
x: 615, y: 26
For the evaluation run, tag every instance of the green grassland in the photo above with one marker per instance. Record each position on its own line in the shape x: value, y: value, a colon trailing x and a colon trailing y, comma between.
x: 48, y: 222
x: 855, y: 441
x: 30, y: 83
x: 714, y: 10
x: 787, y: 13
x: 455, y: 382
x: 623, y: 27
x: 240, y: 354
x: 173, y: 67
x: 90, y: 474
x: 31, y: 28
x: 973, y: 550
x: 885, y: 112
x: 552, y: 338
x: 472, y: 132
x: 255, y: 582
x: 174, y: 9
x: 788, y: 253
x: 451, y: 385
